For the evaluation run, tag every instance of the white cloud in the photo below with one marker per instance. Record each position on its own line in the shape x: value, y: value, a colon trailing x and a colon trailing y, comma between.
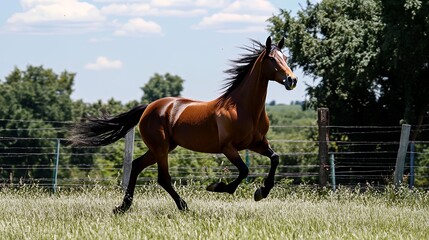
x: 114, y: 1
x: 139, y: 27
x: 189, y: 3
x: 245, y: 29
x: 180, y: 3
x: 102, y: 63
x: 52, y: 15
x: 31, y: 3
x: 77, y: 16
x: 181, y: 13
x: 239, y: 16
x: 221, y: 18
x: 250, y: 6
x: 173, y: 3
x: 99, y: 40
x: 126, y: 9
x: 169, y: 3
x: 174, y: 8
x: 211, y: 3
x: 144, y: 9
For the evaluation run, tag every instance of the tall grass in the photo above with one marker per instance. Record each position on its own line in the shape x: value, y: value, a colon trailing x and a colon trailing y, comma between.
x: 302, y: 212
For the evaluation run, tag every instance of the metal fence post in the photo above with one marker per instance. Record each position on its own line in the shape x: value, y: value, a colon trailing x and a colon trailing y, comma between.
x: 402, y: 153
x: 128, y: 158
x: 55, y: 172
x: 412, y: 156
x: 247, y: 159
x: 333, y: 182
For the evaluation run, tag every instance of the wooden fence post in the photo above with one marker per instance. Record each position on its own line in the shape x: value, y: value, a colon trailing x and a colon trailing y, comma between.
x: 323, y: 122
x: 128, y: 158
x: 402, y: 153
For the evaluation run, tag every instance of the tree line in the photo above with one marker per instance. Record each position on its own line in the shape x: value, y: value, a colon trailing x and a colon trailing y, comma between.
x: 36, y: 107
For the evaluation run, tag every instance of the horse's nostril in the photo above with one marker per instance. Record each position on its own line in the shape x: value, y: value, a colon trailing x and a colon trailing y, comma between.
x: 292, y: 81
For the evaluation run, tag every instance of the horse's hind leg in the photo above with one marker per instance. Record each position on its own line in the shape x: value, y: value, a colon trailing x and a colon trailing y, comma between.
x: 138, y: 165
x: 164, y: 179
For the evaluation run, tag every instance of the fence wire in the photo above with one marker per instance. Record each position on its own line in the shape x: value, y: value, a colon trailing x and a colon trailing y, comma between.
x: 359, y: 159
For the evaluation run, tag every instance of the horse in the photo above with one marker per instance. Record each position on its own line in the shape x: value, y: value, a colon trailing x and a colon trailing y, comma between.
x: 235, y: 121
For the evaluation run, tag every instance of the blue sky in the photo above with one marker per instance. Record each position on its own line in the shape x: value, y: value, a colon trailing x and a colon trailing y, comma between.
x: 115, y: 46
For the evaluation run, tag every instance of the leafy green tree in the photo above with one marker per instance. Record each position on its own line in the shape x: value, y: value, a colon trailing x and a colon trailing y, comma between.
x: 160, y: 86
x: 370, y: 59
x: 405, y: 61
x: 35, y: 103
x: 405, y: 50
x: 336, y: 42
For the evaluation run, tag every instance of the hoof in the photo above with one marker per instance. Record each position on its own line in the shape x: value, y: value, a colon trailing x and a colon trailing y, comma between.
x: 216, y: 187
x: 118, y: 210
x: 258, y: 195
x: 121, y: 209
x: 182, y: 206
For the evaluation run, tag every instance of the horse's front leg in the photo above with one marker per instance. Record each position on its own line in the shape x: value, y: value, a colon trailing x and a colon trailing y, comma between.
x: 232, y: 154
x: 265, y: 150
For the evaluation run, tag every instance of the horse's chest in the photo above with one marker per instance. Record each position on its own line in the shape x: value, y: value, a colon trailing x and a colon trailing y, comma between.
x: 249, y: 133
x: 251, y: 128
x: 241, y: 130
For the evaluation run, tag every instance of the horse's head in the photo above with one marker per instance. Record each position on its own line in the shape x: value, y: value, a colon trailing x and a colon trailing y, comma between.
x: 276, y: 67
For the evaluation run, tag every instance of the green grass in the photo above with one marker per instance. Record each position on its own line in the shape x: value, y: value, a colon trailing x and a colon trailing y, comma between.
x: 289, y: 213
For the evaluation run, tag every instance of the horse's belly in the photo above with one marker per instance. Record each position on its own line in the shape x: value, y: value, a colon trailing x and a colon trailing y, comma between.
x: 199, y: 138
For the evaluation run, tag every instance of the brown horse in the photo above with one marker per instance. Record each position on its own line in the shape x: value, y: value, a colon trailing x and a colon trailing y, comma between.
x: 235, y: 121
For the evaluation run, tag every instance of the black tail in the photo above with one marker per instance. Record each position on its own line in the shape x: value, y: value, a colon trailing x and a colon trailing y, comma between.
x: 105, y: 130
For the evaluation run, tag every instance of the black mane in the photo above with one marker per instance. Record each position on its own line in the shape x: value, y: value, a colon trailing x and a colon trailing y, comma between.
x: 241, y: 67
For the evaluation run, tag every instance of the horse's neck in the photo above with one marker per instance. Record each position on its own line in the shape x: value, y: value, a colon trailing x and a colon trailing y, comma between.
x: 252, y: 93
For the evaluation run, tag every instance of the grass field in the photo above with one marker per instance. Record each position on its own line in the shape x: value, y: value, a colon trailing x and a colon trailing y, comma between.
x: 289, y: 213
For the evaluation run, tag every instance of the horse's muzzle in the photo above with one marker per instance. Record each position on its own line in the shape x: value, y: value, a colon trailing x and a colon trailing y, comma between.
x: 290, y: 83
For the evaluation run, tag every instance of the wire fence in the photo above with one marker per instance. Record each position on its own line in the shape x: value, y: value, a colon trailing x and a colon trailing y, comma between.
x: 369, y: 155
x: 362, y: 154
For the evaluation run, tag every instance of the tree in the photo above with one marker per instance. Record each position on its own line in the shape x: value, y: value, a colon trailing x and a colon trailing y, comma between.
x: 371, y: 58
x: 160, y: 86
x: 35, y: 103
x: 405, y: 54
x: 334, y: 41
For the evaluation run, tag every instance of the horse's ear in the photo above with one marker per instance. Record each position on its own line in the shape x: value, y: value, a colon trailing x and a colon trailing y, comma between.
x: 281, y: 43
x: 268, y: 44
